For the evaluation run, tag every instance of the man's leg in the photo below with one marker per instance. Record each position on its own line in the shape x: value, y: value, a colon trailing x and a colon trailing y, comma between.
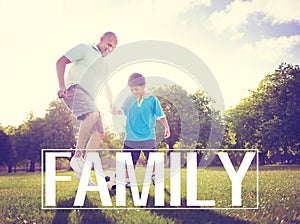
x: 85, y: 130
x: 95, y: 140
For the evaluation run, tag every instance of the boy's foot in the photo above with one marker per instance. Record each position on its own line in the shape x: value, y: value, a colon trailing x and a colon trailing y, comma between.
x: 111, y: 185
x: 153, y: 179
x: 127, y: 182
x: 107, y: 178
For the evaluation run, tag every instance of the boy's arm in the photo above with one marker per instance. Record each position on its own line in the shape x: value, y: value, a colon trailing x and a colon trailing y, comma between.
x: 167, y: 128
x: 60, y: 70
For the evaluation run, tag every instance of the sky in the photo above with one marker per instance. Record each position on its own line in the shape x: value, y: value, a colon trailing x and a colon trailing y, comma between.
x: 239, y: 41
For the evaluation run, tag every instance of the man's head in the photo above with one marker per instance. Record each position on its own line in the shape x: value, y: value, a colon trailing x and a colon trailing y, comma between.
x: 107, y: 43
x: 137, y: 84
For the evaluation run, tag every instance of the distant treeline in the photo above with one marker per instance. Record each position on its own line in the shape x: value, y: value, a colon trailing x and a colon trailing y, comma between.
x: 267, y: 120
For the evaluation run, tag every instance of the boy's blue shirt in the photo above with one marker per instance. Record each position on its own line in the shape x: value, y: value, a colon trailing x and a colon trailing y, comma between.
x: 141, y: 117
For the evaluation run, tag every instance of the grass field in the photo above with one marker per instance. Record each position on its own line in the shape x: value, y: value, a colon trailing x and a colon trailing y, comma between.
x: 279, y: 200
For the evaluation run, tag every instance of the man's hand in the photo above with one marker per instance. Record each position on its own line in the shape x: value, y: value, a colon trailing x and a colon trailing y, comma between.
x: 62, y: 92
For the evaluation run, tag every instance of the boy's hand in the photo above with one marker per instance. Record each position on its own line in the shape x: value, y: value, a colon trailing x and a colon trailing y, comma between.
x: 167, y: 133
x: 114, y: 111
x: 112, y: 108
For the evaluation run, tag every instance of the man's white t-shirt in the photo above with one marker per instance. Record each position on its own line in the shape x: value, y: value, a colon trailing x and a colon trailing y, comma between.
x: 88, y: 68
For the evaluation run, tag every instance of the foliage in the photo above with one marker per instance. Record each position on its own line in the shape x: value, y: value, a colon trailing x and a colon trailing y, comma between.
x: 53, y: 131
x: 60, y: 127
x: 270, y: 118
x: 172, y: 99
x: 192, y: 119
x: 211, y: 126
x: 7, y: 154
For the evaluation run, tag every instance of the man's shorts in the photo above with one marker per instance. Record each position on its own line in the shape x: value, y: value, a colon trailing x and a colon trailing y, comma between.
x: 80, y: 103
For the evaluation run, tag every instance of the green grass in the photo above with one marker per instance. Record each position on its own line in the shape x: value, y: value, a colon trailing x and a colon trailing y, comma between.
x: 279, y: 193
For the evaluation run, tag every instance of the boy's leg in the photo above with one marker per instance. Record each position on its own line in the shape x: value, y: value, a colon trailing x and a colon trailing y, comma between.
x: 146, y: 153
x: 85, y: 130
x: 135, y: 156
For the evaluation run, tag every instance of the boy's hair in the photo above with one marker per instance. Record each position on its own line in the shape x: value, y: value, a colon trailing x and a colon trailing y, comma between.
x: 136, y: 79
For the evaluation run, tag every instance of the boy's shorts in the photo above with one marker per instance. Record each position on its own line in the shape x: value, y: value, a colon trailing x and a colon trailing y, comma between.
x: 148, y: 144
x: 81, y: 103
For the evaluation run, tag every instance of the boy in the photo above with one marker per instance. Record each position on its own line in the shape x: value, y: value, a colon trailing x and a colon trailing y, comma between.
x: 141, y: 111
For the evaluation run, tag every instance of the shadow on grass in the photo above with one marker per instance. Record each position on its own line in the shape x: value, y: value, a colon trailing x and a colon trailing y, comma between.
x: 79, y: 215
x: 193, y: 216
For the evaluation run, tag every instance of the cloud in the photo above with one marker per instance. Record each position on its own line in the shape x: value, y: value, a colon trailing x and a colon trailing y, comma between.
x: 230, y: 19
x: 163, y: 9
x: 167, y: 8
x: 237, y: 13
x: 279, y: 11
x: 271, y: 49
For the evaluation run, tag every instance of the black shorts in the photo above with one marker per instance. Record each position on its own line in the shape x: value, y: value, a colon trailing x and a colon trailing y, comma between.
x: 136, y: 153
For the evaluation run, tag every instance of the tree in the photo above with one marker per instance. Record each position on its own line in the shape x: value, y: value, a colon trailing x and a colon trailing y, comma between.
x: 35, y: 140
x: 269, y: 119
x: 281, y: 116
x: 7, y: 155
x: 211, y: 125
x: 193, y: 121
x: 54, y: 131
x: 59, y: 127
x: 181, y: 113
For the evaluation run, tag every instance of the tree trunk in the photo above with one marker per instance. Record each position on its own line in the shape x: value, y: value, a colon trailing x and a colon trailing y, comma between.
x: 262, y: 158
x: 9, y: 168
x: 32, y: 166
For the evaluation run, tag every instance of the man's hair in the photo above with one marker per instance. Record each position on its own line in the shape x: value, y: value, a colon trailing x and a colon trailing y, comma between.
x: 136, y: 79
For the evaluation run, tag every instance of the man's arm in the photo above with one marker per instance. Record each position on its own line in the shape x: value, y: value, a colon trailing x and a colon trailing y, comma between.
x: 60, y: 70
x: 108, y: 95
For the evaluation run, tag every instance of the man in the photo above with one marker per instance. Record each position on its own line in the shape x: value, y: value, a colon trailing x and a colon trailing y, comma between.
x: 81, y: 87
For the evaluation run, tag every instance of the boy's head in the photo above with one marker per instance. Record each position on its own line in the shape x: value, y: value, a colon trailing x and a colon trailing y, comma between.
x: 137, y: 83
x: 136, y: 79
